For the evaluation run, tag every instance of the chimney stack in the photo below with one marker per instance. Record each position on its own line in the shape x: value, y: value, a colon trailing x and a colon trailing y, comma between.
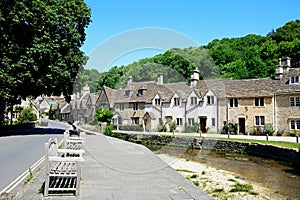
x: 195, y: 74
x: 160, y: 79
x: 283, y: 66
x: 129, y: 80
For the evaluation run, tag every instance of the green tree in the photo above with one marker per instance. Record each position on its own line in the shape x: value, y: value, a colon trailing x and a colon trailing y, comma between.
x: 40, y: 47
x: 87, y: 76
x: 26, y: 115
x: 103, y: 116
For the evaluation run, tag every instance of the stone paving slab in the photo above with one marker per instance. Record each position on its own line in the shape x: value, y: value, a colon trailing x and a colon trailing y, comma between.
x: 116, y: 169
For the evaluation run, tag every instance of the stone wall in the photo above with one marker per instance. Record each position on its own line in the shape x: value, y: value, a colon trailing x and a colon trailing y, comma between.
x: 268, y: 151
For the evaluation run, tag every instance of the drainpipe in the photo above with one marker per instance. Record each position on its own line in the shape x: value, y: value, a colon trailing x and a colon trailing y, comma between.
x: 274, y: 113
x: 217, y: 120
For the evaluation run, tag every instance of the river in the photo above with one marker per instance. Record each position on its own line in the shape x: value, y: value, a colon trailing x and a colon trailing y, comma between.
x: 276, y: 175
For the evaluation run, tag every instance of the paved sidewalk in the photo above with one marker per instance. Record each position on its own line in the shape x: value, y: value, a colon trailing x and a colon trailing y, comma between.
x: 119, y: 170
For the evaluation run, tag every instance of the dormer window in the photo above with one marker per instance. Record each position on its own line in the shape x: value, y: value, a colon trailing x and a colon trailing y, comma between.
x: 210, y: 100
x: 140, y: 93
x: 127, y: 93
x: 157, y: 101
x: 176, y: 101
x: 193, y: 101
x: 294, y: 80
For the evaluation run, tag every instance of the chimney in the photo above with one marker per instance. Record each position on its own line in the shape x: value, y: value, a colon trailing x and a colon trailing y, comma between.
x: 195, y: 77
x: 129, y: 80
x: 283, y: 66
x: 160, y: 79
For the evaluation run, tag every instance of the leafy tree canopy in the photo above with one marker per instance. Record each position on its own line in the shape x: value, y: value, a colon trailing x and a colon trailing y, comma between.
x: 103, y: 116
x: 40, y: 47
x: 251, y: 56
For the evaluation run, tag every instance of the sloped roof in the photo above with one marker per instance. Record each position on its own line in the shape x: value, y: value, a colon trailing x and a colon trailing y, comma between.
x: 285, y: 86
x: 66, y: 109
x: 239, y: 88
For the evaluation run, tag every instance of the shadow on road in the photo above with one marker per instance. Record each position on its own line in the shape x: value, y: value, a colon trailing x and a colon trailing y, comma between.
x: 32, y: 131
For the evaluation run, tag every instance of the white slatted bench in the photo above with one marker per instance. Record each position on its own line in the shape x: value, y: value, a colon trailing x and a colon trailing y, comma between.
x: 62, y: 172
x: 72, y: 141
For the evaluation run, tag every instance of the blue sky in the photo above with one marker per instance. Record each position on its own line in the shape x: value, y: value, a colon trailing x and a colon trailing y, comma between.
x: 201, y: 21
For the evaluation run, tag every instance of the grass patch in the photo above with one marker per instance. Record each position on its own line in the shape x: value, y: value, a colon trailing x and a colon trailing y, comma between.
x: 30, y: 176
x: 219, y: 190
x: 238, y: 187
x: 275, y: 143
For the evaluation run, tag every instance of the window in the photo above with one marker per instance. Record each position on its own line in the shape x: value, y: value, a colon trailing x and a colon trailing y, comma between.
x: 259, y: 120
x: 259, y: 101
x: 295, y: 124
x: 233, y: 103
x: 127, y: 93
x: 103, y: 106
x: 135, y: 120
x: 294, y: 80
x: 191, y: 121
x: 179, y: 121
x: 176, y: 101
x: 210, y: 100
x: 213, y: 122
x: 193, y: 101
x: 135, y: 106
x: 157, y: 102
x: 121, y: 106
x: 295, y: 101
x: 140, y: 93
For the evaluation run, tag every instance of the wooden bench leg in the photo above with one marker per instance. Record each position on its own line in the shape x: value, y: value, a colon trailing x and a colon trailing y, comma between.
x: 46, y: 187
x: 78, y: 179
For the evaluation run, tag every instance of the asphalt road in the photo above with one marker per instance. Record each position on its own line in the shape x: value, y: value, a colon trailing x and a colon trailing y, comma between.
x: 19, y: 152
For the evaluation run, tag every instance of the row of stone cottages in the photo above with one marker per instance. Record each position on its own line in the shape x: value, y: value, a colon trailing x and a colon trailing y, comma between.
x: 250, y: 103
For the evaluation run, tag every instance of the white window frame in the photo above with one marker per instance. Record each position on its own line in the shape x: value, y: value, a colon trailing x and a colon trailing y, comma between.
x: 179, y: 121
x: 295, y: 124
x: 135, y: 120
x: 259, y: 102
x: 233, y: 103
x: 135, y: 106
x: 210, y: 100
x: 194, y: 101
x: 295, y: 101
x: 213, y: 121
x: 176, y: 101
x: 157, y: 102
x: 191, y: 121
x: 259, y: 119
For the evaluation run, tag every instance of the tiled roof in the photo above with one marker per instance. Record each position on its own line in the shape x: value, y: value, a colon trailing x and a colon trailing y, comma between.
x: 66, y: 109
x: 239, y: 88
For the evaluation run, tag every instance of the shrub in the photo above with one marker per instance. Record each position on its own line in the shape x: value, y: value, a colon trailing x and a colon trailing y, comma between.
x: 173, y: 126
x: 131, y: 128
x: 293, y: 133
x: 108, y: 130
x: 26, y: 115
x: 192, y: 129
x: 161, y: 126
x: 268, y: 130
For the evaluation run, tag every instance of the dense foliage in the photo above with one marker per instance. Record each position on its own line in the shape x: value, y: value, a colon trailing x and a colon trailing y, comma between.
x: 87, y: 77
x: 251, y: 56
x: 26, y: 115
x: 40, y: 47
x: 103, y: 115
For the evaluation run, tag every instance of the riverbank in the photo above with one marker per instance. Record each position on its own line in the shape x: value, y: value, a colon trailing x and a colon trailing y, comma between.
x: 220, y: 184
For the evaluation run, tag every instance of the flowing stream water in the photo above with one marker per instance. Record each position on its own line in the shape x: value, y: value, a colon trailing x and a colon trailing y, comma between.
x: 278, y: 176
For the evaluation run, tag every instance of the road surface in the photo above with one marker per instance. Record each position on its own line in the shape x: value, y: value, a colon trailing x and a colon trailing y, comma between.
x: 19, y: 152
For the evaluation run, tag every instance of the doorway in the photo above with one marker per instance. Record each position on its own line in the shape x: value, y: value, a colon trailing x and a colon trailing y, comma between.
x: 242, y: 125
x: 203, y: 120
